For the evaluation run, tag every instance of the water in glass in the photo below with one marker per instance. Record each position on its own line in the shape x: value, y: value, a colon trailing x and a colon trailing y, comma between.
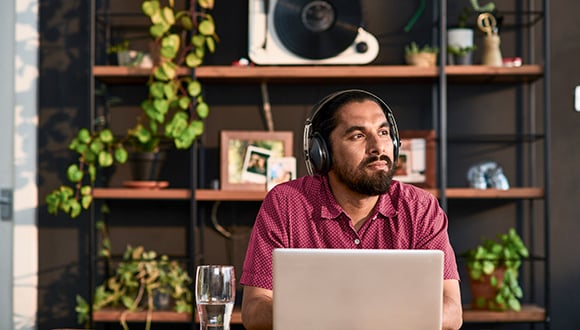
x: 215, y: 288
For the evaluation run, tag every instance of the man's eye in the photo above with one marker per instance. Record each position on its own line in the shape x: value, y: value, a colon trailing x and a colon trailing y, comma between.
x: 384, y: 133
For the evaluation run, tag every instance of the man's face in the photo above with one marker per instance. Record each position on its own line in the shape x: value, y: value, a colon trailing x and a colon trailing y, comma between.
x: 362, y: 148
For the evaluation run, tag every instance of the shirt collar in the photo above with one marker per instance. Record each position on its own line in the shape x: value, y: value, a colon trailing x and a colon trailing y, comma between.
x: 330, y: 209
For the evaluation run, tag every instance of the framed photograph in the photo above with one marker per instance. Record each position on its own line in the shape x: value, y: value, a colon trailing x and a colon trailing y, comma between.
x: 244, y: 157
x: 254, y: 168
x: 280, y: 169
x: 417, y: 158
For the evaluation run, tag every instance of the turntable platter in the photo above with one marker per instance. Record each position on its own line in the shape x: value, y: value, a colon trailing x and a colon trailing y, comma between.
x: 317, y: 29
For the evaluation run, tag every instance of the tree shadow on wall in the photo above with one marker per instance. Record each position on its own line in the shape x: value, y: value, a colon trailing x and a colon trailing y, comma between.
x: 60, y: 297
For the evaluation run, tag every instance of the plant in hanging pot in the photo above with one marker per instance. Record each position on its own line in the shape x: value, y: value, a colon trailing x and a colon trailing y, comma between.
x: 174, y: 109
x: 493, y: 268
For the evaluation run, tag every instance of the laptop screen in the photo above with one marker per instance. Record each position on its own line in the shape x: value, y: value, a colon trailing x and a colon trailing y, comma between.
x: 357, y: 289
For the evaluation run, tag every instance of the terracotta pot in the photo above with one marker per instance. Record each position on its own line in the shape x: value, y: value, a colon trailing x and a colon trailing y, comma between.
x: 482, y: 292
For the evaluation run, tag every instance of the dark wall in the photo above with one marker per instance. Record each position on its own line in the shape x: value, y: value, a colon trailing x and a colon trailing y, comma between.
x: 482, y: 109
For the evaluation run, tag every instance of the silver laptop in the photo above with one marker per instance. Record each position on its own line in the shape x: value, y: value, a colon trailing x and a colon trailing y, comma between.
x: 333, y: 289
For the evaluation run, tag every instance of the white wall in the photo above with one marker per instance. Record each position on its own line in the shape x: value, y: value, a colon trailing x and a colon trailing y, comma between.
x: 18, y: 167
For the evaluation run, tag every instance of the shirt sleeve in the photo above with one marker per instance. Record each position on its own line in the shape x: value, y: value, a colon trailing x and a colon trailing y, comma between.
x: 434, y: 235
x: 268, y: 233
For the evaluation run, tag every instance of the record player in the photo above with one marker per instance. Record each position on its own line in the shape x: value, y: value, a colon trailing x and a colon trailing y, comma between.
x: 294, y: 32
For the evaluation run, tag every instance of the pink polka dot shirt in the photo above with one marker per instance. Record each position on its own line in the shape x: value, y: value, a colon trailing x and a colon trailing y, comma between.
x: 304, y: 214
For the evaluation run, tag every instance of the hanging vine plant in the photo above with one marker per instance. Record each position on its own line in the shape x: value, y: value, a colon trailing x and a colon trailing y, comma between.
x: 174, y: 108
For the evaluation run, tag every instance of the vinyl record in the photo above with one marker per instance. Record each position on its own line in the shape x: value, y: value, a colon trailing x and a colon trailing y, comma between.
x: 317, y: 29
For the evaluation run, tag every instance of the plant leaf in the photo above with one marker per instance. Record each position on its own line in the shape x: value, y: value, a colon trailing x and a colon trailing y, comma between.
x: 74, y: 174
x: 206, y: 27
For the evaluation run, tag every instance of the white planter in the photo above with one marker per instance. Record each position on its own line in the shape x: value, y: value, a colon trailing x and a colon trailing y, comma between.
x: 460, y: 37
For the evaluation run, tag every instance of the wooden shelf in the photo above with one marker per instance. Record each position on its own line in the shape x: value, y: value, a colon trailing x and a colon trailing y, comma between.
x: 179, y: 193
x: 114, y: 315
x: 513, y: 193
x: 529, y: 313
x: 333, y: 74
x: 248, y: 196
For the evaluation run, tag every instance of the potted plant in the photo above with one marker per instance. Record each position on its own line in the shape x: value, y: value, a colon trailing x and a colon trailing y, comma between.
x: 461, y: 36
x: 425, y: 56
x: 460, y: 55
x: 143, y: 281
x: 493, y: 268
x: 174, y: 108
x: 125, y: 56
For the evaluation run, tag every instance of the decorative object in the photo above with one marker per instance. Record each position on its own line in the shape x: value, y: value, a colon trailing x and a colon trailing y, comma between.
x: 493, y: 268
x: 237, y: 149
x: 460, y: 38
x: 280, y: 169
x: 417, y: 158
x: 486, y: 175
x: 491, y: 41
x: 174, y: 109
x: 425, y: 56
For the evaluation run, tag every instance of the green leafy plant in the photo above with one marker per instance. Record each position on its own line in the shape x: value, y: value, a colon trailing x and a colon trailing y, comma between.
x: 174, y: 108
x: 460, y: 51
x: 413, y: 48
x: 138, y: 279
x: 505, y: 253
x: 466, y: 11
x: 119, y: 47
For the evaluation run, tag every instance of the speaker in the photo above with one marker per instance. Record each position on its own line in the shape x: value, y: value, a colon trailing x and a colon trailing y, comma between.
x: 308, y: 32
x: 316, y: 152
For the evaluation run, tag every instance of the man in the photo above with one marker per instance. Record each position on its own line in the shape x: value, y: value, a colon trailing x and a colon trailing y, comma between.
x: 348, y: 201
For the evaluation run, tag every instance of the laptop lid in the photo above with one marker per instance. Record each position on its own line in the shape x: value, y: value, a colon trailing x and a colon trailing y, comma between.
x: 357, y: 289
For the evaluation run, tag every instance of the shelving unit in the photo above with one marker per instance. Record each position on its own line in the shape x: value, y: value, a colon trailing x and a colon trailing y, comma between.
x: 442, y: 77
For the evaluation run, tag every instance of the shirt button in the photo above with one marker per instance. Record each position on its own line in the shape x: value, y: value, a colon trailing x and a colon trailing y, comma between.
x: 357, y: 241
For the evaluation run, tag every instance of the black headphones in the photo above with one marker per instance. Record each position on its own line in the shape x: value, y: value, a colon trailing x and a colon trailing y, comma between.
x: 316, y: 152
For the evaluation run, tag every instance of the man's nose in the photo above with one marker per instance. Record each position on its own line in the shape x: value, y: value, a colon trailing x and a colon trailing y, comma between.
x: 375, y: 145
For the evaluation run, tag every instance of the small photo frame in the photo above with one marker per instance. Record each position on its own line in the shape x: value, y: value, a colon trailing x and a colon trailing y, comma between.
x: 255, y: 164
x: 280, y: 169
x: 416, y: 163
x: 242, y: 152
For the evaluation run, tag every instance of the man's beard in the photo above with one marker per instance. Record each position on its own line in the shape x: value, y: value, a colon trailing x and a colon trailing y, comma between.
x: 366, y: 184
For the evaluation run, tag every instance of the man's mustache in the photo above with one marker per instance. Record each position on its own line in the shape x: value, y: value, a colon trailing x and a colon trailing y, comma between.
x: 372, y: 159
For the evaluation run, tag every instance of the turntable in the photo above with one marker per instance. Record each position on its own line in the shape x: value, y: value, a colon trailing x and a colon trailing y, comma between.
x: 293, y: 32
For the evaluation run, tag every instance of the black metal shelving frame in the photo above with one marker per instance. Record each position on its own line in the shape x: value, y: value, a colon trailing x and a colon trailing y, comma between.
x: 440, y: 120
x: 193, y: 256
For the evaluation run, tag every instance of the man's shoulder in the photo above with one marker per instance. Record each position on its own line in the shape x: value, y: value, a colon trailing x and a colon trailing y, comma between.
x: 305, y: 185
x: 410, y: 193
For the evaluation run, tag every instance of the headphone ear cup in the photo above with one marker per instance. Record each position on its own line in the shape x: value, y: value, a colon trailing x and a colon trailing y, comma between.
x: 318, y: 154
x: 396, y: 146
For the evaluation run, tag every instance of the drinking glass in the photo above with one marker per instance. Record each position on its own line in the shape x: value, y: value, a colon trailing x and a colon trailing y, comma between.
x: 215, y: 291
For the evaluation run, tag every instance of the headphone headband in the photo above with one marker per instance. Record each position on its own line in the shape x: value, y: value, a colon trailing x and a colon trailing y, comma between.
x: 317, y: 154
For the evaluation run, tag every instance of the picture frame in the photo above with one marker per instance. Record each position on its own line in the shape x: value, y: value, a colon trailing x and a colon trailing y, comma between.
x: 417, y: 163
x: 280, y: 169
x: 239, y: 152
